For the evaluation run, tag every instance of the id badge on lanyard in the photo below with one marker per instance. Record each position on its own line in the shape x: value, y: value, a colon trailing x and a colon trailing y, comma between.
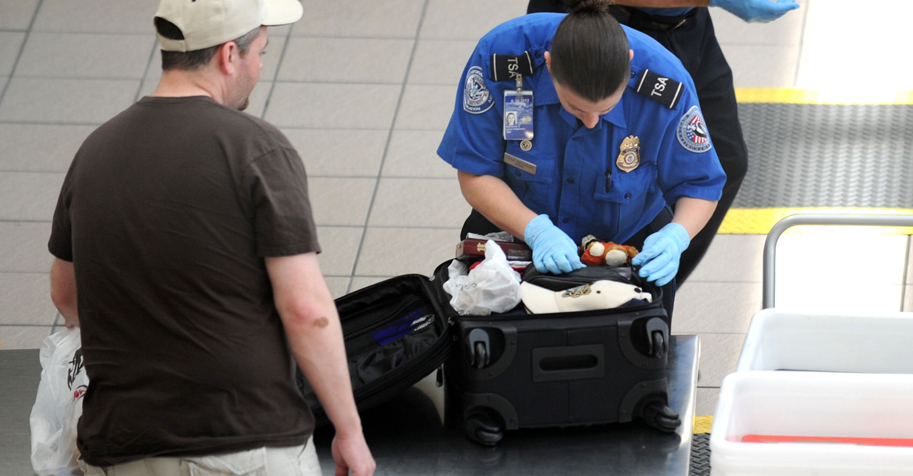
x: 518, y: 114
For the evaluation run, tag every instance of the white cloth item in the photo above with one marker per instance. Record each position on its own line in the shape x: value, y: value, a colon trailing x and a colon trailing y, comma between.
x: 598, y: 295
x: 492, y: 286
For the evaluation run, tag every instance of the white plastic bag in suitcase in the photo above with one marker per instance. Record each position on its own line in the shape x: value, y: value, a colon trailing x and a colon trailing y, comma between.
x: 58, y: 405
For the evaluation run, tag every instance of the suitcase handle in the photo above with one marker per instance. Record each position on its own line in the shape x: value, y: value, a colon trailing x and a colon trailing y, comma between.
x: 770, y: 245
x: 568, y: 363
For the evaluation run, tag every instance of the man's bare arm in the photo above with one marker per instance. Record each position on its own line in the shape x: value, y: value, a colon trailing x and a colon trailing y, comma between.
x: 314, y: 333
x: 63, y: 291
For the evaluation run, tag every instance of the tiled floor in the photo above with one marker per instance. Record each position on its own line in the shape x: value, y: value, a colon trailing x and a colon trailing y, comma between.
x: 364, y: 90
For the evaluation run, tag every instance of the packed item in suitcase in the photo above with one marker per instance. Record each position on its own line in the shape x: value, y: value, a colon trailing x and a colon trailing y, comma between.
x: 513, y: 369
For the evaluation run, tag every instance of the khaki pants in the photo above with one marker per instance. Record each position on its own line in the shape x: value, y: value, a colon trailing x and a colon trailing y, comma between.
x: 291, y: 461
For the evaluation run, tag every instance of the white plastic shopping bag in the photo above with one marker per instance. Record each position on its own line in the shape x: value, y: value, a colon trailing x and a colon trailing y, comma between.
x: 58, y: 405
x: 492, y: 286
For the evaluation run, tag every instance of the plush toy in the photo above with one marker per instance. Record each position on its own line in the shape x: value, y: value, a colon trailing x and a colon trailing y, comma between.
x: 605, y: 253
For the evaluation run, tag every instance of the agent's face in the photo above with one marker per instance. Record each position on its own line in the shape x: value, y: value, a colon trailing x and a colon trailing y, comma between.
x: 249, y: 67
x: 587, y: 111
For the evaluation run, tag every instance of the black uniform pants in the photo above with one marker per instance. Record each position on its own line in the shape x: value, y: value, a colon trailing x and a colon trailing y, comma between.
x: 477, y: 223
x: 694, y: 43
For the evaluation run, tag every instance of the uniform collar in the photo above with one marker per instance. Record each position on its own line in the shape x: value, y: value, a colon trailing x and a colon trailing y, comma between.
x: 545, y: 94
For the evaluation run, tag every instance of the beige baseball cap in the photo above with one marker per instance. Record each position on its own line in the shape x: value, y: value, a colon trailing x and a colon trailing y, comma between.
x: 206, y: 23
x: 602, y: 294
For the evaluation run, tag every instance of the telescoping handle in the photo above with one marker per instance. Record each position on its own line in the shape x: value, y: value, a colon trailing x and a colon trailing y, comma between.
x: 770, y: 245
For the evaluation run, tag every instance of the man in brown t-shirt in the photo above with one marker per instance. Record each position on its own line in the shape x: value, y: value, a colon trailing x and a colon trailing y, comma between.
x: 185, y: 249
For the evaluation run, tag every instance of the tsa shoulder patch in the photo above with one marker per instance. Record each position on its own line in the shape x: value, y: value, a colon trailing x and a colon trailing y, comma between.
x: 692, y: 131
x: 666, y: 91
x: 476, y: 97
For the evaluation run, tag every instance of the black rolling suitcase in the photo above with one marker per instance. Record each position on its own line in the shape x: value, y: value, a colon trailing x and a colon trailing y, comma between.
x: 518, y: 370
x: 511, y: 370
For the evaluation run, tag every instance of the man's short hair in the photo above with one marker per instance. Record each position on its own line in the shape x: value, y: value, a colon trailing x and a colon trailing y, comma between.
x: 192, y: 60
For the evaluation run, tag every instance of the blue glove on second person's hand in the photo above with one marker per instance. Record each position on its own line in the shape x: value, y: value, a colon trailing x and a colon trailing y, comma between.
x: 553, y: 250
x: 756, y: 10
x: 662, y: 252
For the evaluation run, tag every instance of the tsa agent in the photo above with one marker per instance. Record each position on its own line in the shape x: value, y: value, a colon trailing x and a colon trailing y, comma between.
x: 685, y: 28
x: 609, y: 130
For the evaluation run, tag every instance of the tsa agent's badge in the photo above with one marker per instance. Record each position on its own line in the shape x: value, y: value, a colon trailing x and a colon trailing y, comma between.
x: 476, y: 97
x: 629, y: 157
x: 692, y: 131
x: 518, y: 115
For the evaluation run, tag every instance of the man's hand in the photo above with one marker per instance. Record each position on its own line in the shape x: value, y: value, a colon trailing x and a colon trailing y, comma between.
x: 756, y: 10
x: 553, y: 250
x: 662, y: 253
x: 352, y: 453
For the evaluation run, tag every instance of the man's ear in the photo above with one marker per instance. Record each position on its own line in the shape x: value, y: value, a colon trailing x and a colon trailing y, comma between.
x: 630, y: 55
x: 227, y: 56
x: 548, y: 61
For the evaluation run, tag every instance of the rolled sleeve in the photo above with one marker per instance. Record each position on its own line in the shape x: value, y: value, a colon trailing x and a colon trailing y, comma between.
x: 473, y: 140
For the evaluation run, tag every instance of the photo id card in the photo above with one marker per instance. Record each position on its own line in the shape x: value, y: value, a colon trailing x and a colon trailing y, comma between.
x: 518, y: 115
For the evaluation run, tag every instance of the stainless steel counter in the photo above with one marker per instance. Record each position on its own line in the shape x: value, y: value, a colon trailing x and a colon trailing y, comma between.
x: 408, y: 437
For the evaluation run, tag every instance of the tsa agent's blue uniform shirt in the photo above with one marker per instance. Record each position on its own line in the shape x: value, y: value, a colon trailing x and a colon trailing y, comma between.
x: 571, y: 183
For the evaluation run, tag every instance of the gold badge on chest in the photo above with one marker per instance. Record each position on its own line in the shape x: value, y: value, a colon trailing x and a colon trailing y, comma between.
x: 526, y: 145
x: 629, y: 157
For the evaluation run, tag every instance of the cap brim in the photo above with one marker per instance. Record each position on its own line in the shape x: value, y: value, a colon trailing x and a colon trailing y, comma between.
x: 281, y: 12
x: 538, y: 300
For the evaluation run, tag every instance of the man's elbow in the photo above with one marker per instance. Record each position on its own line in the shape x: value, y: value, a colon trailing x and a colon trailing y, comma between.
x: 62, y: 299
x: 305, y: 315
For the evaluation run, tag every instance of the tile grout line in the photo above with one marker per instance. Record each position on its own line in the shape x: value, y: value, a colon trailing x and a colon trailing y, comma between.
x: 383, y: 158
x: 275, y: 79
x: 21, y: 50
x: 142, y: 81
x: 801, y: 42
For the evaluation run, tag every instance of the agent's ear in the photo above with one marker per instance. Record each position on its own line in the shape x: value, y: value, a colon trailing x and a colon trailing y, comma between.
x: 548, y: 61
x: 631, y: 56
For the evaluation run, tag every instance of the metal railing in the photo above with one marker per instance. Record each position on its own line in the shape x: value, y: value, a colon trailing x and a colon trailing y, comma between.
x: 770, y: 245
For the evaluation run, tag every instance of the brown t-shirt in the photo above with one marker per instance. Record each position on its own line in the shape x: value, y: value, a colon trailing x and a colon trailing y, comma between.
x: 167, y: 212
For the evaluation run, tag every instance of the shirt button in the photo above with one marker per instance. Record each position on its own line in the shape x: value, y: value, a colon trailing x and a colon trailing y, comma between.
x: 565, y: 220
x: 627, y: 196
x: 538, y: 54
x: 517, y: 173
x: 576, y: 138
x: 570, y: 181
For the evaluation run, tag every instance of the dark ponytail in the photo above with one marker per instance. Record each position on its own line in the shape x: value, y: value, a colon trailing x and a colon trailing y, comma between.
x: 590, y: 51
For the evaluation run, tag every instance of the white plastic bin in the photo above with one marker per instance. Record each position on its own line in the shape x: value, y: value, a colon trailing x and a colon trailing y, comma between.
x: 783, y: 340
x: 812, y: 404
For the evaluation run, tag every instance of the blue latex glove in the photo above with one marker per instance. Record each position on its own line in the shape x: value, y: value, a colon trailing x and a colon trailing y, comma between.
x: 662, y: 252
x: 756, y: 10
x: 553, y: 250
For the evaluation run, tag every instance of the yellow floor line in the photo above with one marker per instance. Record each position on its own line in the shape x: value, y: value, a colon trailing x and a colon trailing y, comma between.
x: 759, y: 221
x: 846, y: 96
x: 702, y: 424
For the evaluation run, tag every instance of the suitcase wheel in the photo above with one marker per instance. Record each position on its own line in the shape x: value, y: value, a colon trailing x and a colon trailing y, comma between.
x: 659, y: 344
x: 483, y: 427
x: 658, y: 415
x: 657, y: 329
x: 479, y: 346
